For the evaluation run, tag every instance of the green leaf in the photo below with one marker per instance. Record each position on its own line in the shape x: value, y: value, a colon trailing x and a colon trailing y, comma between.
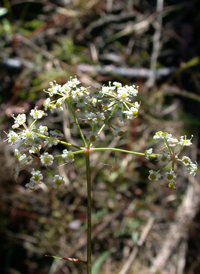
x: 33, y: 24
x: 97, y: 264
x: 192, y: 62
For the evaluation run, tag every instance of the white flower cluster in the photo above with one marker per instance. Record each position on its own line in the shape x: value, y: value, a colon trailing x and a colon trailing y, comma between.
x: 120, y: 98
x: 67, y: 91
x: 30, y: 142
x: 98, y: 105
x: 171, y: 150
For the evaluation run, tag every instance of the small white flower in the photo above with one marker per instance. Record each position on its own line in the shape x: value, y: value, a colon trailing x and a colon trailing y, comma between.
x: 193, y: 168
x: 36, y: 177
x: 19, y: 120
x: 84, y: 90
x: 28, y: 136
x: 65, y: 89
x: 93, y: 101
x: 37, y: 142
x: 29, y: 140
x: 99, y: 118
x: 77, y: 94
x: 131, y: 113
x: 15, y: 126
x: 58, y: 104
x: 43, y: 130
x: 73, y: 83
x: 37, y: 114
x: 117, y: 84
x: 148, y: 153
x: 107, y: 90
x: 132, y: 90
x: 50, y: 141
x: 46, y: 159
x: 122, y: 94
x: 185, y: 142
x: 54, y: 89
x: 57, y: 181
x: 171, y: 185
x: 90, y: 117
x: 186, y: 160
x: 29, y: 160
x: 34, y: 150
x: 30, y: 185
x: 172, y: 141
x: 68, y: 156
x: 170, y: 176
x: 153, y: 175
x: 107, y: 107
x: 13, y: 137
x: 47, y: 104
x: 161, y: 135
x: 22, y: 159
x: 82, y: 102
x: 164, y: 159
x: 137, y: 105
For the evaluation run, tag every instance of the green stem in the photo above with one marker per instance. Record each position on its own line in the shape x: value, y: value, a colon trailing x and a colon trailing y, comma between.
x: 67, y: 144
x: 59, y: 141
x: 49, y: 170
x: 153, y: 155
x: 76, y: 120
x: 88, y: 213
x: 111, y: 114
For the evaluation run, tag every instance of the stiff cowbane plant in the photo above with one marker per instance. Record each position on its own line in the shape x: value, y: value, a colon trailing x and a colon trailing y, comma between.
x: 32, y: 143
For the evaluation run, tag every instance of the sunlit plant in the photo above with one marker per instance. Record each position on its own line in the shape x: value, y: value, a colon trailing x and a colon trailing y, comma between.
x: 33, y: 142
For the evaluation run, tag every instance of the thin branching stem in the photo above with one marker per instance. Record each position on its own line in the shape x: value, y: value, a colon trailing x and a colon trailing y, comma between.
x: 76, y: 120
x: 88, y: 213
x: 153, y: 155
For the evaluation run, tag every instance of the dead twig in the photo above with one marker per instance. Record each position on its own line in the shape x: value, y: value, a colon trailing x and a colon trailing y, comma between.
x: 179, y: 229
x: 125, y: 72
x: 156, y: 44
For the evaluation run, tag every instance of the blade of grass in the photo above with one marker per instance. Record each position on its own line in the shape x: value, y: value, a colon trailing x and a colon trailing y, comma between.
x: 97, y: 264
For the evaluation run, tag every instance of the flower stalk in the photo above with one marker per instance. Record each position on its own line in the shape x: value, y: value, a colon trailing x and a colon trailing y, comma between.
x: 95, y: 111
x: 89, y: 206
